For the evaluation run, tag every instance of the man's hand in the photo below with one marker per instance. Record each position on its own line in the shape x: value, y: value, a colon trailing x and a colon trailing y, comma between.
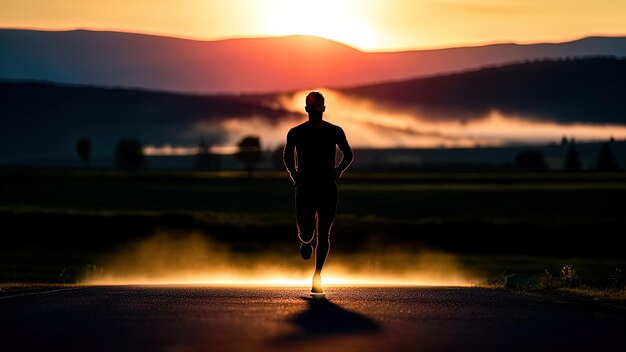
x: 296, y: 178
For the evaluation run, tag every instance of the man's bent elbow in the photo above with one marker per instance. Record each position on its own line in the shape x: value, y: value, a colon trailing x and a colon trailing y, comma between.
x: 349, y: 156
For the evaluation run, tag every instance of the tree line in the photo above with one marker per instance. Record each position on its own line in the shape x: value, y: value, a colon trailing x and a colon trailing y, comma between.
x: 534, y: 160
x: 129, y: 155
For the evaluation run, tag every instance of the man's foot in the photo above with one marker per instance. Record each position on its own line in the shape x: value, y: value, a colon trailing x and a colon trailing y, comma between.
x: 317, y: 284
x: 306, y: 250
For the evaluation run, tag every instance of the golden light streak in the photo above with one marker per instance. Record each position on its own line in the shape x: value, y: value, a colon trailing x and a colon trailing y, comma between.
x: 281, y: 279
x: 278, y: 281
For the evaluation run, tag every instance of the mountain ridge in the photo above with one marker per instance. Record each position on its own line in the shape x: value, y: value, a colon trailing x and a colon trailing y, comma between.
x: 248, y: 65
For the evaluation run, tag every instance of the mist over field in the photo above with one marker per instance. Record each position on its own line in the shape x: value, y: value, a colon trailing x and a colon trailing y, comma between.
x: 535, y: 103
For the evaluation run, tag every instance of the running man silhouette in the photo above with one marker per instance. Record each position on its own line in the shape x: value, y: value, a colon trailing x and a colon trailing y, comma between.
x: 315, y: 176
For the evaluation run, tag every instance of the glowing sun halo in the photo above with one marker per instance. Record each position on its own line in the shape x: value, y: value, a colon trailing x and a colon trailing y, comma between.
x: 330, y: 19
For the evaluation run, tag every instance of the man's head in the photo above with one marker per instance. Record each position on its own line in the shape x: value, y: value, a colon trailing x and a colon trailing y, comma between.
x: 315, y: 106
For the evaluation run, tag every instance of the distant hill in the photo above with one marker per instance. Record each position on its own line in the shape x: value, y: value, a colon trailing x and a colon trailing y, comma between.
x: 247, y: 65
x: 588, y: 90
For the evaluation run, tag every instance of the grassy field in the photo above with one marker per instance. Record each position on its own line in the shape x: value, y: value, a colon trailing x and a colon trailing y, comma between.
x: 57, y: 221
x: 540, y: 198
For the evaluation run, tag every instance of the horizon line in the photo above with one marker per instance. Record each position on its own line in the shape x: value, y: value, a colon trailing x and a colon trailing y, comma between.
x: 398, y: 50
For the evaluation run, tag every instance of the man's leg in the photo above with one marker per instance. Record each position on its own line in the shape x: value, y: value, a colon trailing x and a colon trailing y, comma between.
x: 325, y: 219
x: 322, y: 247
x: 305, y: 220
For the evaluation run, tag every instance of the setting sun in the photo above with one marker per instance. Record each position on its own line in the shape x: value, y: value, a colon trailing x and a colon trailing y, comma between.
x: 326, y: 18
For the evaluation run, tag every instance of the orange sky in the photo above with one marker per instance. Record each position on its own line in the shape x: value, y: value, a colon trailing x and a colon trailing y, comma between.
x: 370, y: 25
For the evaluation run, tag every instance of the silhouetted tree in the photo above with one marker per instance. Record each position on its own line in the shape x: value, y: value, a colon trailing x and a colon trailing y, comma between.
x: 250, y: 152
x: 129, y: 154
x: 572, y: 160
x: 531, y: 160
x: 606, y: 160
x: 83, y: 148
x: 204, y: 159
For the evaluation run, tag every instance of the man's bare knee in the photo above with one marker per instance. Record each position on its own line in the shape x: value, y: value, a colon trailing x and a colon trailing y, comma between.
x: 324, y: 228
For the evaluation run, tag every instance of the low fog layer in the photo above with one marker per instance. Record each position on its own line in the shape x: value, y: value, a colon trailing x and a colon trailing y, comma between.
x: 175, y: 258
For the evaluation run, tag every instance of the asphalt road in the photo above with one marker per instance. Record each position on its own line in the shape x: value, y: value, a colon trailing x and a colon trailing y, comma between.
x: 196, y: 318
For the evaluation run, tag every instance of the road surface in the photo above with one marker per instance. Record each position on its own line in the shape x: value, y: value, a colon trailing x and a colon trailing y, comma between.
x: 198, y: 318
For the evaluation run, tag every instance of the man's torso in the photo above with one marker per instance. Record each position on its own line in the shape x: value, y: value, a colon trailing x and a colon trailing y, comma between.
x: 316, y: 151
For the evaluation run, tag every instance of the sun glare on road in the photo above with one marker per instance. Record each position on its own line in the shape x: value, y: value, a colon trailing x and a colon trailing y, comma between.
x: 276, y: 282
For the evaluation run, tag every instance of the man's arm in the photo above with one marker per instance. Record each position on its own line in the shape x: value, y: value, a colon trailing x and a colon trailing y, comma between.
x: 348, y: 156
x: 289, y: 157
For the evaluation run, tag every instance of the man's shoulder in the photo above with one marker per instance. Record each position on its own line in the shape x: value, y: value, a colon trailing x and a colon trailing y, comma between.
x: 335, y: 130
x: 332, y: 126
x: 297, y: 128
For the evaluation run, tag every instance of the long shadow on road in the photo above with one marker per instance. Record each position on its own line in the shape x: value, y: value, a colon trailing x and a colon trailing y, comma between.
x: 324, y: 318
